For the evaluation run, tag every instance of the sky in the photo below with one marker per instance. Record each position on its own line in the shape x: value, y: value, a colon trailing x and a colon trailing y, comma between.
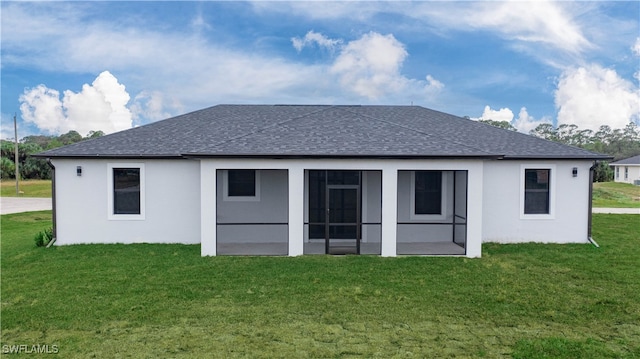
x: 109, y: 66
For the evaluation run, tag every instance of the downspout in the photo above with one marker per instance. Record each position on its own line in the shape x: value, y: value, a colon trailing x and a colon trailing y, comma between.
x: 590, y: 221
x: 53, y: 201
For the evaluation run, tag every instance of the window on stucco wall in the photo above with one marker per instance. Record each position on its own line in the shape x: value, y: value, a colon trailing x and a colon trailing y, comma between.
x: 537, y: 191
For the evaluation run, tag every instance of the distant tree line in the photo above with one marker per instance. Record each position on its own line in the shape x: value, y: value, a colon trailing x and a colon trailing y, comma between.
x: 30, y: 167
x: 618, y: 143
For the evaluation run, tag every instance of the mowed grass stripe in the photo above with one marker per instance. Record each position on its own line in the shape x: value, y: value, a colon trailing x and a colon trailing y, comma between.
x: 526, y: 300
x: 616, y: 195
x: 27, y: 188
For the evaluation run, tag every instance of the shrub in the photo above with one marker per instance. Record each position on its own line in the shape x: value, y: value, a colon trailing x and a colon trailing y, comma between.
x: 7, y: 168
x: 43, y: 238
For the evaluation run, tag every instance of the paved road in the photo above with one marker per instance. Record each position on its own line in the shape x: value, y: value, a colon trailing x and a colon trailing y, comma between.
x: 23, y: 204
x: 617, y: 210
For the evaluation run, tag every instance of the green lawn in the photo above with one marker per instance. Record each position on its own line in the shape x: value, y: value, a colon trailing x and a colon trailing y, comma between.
x: 521, y: 301
x: 29, y: 188
x: 616, y: 195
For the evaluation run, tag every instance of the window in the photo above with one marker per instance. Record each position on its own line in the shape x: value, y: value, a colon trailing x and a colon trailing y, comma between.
x: 537, y: 191
x: 617, y: 172
x: 428, y: 192
x: 241, y: 185
x: 126, y: 191
x: 626, y: 173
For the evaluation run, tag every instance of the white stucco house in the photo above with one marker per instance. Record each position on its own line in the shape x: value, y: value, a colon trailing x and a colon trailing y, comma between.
x: 294, y: 180
x: 627, y: 170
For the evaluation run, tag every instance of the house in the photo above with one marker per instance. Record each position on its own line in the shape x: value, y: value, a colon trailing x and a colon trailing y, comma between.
x: 627, y: 170
x: 293, y: 180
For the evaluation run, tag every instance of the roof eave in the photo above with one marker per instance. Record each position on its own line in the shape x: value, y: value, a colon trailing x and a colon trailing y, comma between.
x: 337, y: 156
x: 534, y: 157
x: 317, y: 156
x: 109, y: 156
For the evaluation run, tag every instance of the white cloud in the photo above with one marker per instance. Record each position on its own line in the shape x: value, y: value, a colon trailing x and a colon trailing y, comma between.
x: 553, y: 24
x: 523, y: 123
x: 181, y: 64
x: 42, y: 106
x: 433, y: 84
x: 503, y: 114
x: 154, y: 106
x: 314, y: 37
x: 636, y: 47
x: 354, y: 10
x: 370, y: 67
x: 99, y: 106
x: 591, y: 96
x: 532, y: 21
x: 6, y: 127
x: 199, y: 23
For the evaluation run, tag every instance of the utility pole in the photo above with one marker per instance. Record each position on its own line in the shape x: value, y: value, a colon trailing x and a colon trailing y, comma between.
x: 15, y: 129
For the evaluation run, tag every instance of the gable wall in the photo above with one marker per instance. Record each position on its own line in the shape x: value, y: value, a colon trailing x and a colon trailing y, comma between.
x: 633, y: 175
x: 172, y: 191
x: 503, y: 220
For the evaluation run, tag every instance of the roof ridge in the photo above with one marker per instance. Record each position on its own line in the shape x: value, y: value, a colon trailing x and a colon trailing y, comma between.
x: 418, y: 131
x: 268, y: 127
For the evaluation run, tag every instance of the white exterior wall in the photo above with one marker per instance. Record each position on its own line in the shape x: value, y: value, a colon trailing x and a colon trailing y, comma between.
x: 504, y: 221
x: 632, y: 175
x: 172, y: 203
x: 180, y: 200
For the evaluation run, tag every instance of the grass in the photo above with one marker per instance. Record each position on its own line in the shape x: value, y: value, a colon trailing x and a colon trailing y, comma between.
x: 29, y: 188
x: 616, y: 195
x: 520, y: 301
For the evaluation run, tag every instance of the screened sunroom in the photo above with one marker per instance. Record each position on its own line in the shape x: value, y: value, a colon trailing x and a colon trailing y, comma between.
x: 342, y: 212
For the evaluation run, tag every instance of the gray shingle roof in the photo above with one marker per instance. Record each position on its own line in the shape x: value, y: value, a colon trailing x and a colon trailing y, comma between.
x: 635, y: 160
x: 319, y: 131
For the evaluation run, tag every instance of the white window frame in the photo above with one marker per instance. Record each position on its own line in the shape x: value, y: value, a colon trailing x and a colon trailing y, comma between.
x: 626, y: 173
x: 225, y: 189
x: 552, y: 190
x: 617, y: 172
x: 110, y: 184
x: 443, y: 199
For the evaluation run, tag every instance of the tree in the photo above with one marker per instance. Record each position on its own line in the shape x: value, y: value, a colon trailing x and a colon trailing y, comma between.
x: 94, y: 134
x: 500, y: 124
x: 618, y: 143
x: 70, y: 137
x: 7, y: 168
x: 31, y: 167
x: 602, y: 172
x: 40, y: 140
x: 546, y: 131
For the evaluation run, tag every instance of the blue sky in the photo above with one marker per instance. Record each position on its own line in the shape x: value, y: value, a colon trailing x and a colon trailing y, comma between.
x: 113, y: 65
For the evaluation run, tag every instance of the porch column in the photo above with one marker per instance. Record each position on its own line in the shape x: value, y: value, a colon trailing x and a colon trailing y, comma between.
x: 389, y: 212
x: 296, y: 211
x: 474, y: 210
x: 208, y: 208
